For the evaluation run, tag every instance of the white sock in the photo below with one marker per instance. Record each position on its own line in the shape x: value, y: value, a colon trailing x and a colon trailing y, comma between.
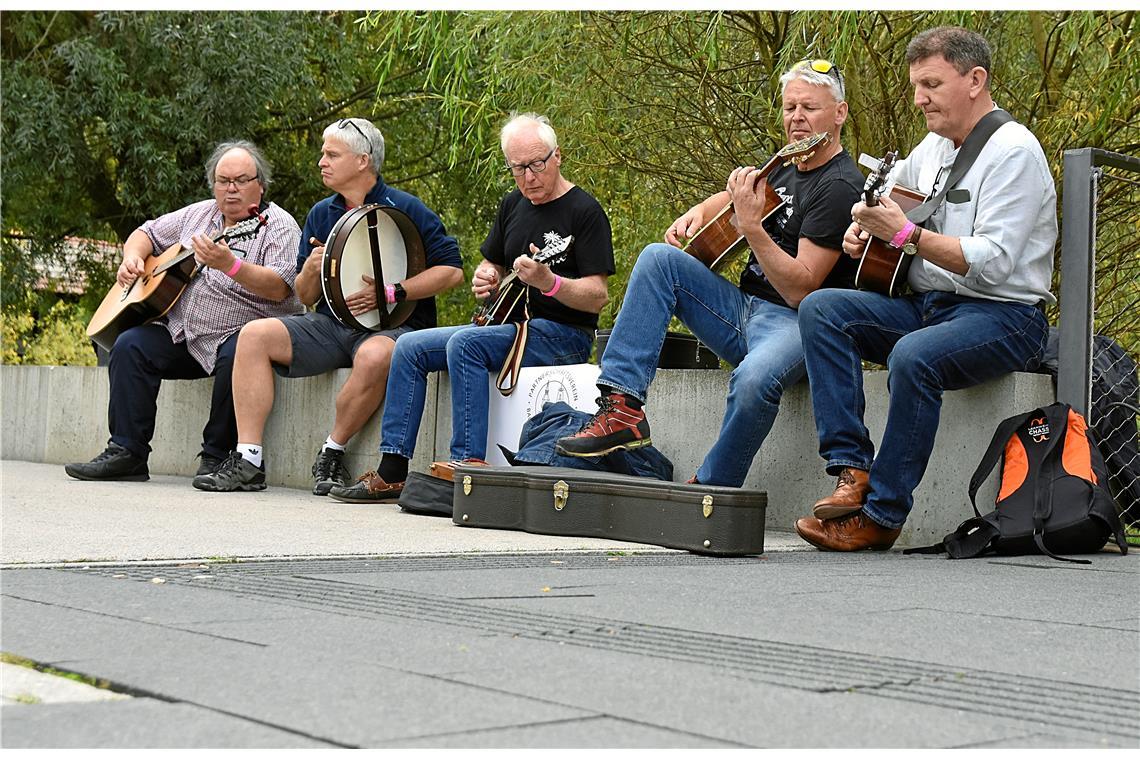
x: 251, y: 452
x: 331, y: 444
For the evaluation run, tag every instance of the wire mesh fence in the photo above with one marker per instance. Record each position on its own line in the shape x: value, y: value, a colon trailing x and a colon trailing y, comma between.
x: 1113, y: 391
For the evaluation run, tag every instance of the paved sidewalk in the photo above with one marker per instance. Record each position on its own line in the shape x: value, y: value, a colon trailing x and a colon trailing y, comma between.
x: 361, y: 626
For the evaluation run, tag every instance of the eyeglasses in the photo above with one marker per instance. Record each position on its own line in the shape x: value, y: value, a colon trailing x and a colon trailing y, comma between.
x: 822, y: 65
x: 343, y: 123
x: 238, y: 182
x: 535, y: 166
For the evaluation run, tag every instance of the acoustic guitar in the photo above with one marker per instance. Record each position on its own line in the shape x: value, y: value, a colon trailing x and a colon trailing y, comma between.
x: 883, y: 269
x: 499, y: 307
x: 158, y: 288
x: 718, y: 242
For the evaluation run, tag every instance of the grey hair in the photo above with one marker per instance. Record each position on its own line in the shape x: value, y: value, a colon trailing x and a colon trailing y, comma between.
x: 811, y: 76
x: 264, y: 171
x: 519, y: 121
x: 961, y: 48
x: 355, y: 140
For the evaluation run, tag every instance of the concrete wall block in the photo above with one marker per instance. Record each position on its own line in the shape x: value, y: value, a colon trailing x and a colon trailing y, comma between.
x: 59, y: 414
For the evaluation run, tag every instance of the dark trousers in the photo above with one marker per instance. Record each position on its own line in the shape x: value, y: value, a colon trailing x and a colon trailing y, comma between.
x: 141, y: 359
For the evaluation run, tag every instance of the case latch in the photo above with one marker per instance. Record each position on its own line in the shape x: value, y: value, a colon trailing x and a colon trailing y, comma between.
x: 466, y: 485
x: 706, y: 505
x: 561, y: 494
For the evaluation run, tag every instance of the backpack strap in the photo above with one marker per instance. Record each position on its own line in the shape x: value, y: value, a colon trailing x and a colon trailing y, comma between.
x: 971, y: 539
x: 1058, y: 417
x: 996, y: 447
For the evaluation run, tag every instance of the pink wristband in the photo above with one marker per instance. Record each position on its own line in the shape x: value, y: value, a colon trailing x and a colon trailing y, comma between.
x: 900, y: 237
x: 390, y: 293
x: 234, y: 269
x: 557, y: 285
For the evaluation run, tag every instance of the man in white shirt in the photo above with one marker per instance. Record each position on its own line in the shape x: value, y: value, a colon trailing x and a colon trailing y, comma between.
x: 981, y: 269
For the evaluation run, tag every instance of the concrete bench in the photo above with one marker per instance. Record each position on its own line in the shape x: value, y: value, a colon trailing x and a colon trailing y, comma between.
x: 59, y: 415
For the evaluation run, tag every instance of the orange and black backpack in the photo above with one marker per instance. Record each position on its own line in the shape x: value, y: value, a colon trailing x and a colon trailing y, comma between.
x: 1052, y: 498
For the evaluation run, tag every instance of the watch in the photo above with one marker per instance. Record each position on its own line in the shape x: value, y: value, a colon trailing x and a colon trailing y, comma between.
x: 910, y: 247
x: 401, y: 294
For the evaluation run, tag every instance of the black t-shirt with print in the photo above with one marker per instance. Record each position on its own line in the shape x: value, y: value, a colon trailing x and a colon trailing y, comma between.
x: 818, y: 207
x: 520, y: 223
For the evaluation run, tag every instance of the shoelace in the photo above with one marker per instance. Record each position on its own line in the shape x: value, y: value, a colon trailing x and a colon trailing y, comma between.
x: 605, y: 406
x: 107, y: 454
x: 328, y: 465
x: 230, y: 465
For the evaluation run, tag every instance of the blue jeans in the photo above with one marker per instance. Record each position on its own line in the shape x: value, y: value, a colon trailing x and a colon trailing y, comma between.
x: 760, y: 338
x: 141, y: 359
x: 930, y: 342
x: 468, y: 353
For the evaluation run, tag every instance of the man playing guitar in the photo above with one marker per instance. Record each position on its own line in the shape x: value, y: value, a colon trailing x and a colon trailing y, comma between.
x: 753, y: 325
x: 981, y: 269
x: 198, y: 335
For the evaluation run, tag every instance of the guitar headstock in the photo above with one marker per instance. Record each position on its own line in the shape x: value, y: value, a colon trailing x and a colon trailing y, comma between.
x: 246, y: 228
x: 802, y: 150
x: 557, y: 249
x: 873, y: 188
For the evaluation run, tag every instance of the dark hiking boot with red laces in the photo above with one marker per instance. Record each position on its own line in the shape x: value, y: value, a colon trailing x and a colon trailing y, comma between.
x: 616, y: 425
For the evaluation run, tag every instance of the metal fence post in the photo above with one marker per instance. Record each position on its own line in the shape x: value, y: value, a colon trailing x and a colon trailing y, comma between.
x: 1078, y: 215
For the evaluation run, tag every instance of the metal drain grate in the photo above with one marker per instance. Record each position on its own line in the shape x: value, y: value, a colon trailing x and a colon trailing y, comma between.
x: 822, y: 670
x: 417, y: 563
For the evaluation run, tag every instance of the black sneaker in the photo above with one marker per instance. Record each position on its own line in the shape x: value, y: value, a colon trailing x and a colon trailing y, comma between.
x: 329, y: 471
x: 115, y: 463
x: 234, y: 474
x: 209, y: 463
x: 616, y: 425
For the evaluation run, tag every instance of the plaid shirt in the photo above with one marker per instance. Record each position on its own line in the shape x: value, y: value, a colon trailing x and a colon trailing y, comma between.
x: 213, y: 307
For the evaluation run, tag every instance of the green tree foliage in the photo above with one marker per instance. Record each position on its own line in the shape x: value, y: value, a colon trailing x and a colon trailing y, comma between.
x: 108, y: 117
x: 656, y: 108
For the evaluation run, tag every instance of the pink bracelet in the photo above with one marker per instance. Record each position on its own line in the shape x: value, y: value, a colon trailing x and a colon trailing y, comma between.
x: 234, y: 269
x: 900, y: 237
x: 557, y: 285
x: 390, y: 293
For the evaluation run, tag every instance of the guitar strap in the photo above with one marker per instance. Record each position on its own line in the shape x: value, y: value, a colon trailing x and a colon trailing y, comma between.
x: 377, y: 268
x: 967, y: 154
x: 512, y: 364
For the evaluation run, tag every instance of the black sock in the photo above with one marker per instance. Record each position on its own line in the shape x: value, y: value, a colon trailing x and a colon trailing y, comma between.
x: 393, y: 468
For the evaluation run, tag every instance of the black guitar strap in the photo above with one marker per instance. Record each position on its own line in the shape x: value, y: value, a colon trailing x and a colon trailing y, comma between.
x: 967, y: 154
x: 377, y: 268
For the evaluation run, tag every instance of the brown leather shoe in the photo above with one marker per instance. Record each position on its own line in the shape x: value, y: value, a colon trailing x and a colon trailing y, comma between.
x: 446, y: 470
x: 849, y: 496
x: 369, y: 488
x: 847, y: 534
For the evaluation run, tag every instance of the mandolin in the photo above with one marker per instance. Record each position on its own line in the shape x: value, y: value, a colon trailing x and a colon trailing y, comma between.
x: 159, y: 287
x: 499, y: 307
x: 883, y: 269
x: 719, y: 241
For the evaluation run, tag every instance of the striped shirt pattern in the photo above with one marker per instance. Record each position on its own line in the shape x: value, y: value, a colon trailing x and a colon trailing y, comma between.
x: 213, y: 307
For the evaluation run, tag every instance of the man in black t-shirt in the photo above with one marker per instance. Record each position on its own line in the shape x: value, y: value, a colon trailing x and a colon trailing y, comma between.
x: 753, y: 326
x: 544, y: 214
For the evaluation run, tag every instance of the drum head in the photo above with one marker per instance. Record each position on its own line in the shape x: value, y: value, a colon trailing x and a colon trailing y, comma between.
x: 350, y: 254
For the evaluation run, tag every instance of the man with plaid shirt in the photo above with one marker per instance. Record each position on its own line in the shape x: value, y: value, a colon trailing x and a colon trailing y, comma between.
x: 196, y: 338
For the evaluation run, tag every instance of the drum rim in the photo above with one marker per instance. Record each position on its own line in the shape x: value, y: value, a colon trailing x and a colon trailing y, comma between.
x: 334, y: 250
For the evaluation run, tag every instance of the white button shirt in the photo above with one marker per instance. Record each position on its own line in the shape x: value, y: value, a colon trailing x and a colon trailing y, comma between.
x: 1004, y: 214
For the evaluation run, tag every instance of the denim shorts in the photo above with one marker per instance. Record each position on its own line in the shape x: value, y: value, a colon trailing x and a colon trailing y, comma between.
x: 321, y: 343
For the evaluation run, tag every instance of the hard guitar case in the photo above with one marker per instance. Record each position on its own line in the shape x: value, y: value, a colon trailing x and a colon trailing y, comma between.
x: 561, y: 501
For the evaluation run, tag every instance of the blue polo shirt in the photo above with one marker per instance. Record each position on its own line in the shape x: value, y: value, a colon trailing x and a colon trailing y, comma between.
x: 439, y: 247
